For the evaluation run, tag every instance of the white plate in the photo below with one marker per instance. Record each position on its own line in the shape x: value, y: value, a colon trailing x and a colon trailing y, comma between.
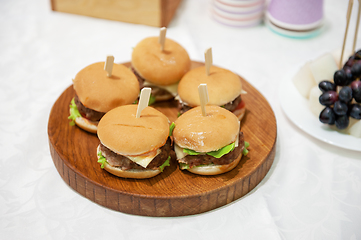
x: 296, y: 108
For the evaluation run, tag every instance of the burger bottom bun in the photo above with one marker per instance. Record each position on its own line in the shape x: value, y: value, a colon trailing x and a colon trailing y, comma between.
x: 215, y: 169
x: 139, y: 174
x: 135, y: 173
x: 239, y: 113
x: 87, y: 125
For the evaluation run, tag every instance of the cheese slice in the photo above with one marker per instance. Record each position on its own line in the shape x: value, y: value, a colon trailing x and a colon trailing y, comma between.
x: 173, y: 89
x: 144, y: 160
x: 237, y: 141
x: 179, y: 152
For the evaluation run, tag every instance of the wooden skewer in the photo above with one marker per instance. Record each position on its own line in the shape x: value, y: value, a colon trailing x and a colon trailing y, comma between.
x: 208, y: 60
x: 350, y: 3
x: 143, y: 100
x: 161, y: 40
x: 108, y: 66
x: 203, y: 96
x: 357, y: 25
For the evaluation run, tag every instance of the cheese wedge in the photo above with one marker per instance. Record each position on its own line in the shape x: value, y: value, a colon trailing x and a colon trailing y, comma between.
x: 144, y: 160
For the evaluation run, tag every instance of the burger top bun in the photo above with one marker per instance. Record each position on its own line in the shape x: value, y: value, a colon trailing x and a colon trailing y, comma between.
x: 223, y: 86
x: 206, y: 133
x: 101, y: 93
x: 160, y: 67
x: 123, y: 133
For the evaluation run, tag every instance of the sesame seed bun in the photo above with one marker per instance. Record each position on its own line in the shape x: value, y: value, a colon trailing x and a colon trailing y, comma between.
x: 101, y: 93
x: 223, y: 86
x: 206, y: 133
x: 160, y: 67
x: 123, y: 133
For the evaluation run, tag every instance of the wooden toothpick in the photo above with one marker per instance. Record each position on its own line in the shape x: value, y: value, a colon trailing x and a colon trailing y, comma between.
x: 357, y: 25
x: 208, y: 60
x: 161, y: 40
x: 143, y: 100
x: 350, y: 3
x: 203, y: 96
x: 108, y: 66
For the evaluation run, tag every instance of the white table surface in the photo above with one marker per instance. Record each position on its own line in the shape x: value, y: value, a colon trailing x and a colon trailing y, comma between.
x: 312, y: 191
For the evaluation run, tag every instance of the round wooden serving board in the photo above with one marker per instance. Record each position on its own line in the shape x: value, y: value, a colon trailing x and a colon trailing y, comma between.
x: 173, y: 192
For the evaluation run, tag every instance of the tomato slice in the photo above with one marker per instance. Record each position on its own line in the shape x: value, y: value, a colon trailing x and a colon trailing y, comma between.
x: 241, y: 105
x: 82, y: 114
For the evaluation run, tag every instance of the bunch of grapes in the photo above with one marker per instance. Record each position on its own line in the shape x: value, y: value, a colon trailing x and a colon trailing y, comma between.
x: 342, y: 98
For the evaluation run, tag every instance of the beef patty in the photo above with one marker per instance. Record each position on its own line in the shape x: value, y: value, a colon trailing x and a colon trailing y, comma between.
x: 87, y: 113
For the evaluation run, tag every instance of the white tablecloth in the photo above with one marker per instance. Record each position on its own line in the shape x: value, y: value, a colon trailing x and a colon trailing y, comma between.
x: 312, y: 191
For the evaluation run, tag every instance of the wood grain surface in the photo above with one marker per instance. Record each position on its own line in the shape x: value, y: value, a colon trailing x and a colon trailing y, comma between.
x: 173, y: 192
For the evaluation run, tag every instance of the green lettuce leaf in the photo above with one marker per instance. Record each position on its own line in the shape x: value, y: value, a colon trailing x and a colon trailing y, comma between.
x: 223, y: 151
x: 245, y: 150
x: 74, y: 112
x: 150, y: 102
x: 217, y: 154
x: 151, y: 99
x: 102, y: 159
x: 184, y: 166
x: 171, y: 128
x: 191, y: 152
x: 166, y: 163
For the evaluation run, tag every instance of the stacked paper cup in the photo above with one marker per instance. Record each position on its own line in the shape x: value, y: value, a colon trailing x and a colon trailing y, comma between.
x: 295, y: 18
x: 238, y: 13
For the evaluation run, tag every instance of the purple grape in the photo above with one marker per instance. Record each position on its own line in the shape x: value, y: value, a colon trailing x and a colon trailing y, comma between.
x: 356, y: 69
x: 328, y: 98
x: 350, y: 61
x: 342, y: 121
x: 349, y: 76
x: 356, y: 90
x: 327, y: 116
x: 355, y: 111
x: 358, y: 55
x: 325, y: 86
x: 340, y: 78
x: 340, y: 108
x: 345, y: 94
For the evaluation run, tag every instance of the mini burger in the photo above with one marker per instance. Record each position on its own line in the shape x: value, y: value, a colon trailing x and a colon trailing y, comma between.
x: 208, y: 145
x: 133, y: 147
x: 96, y: 93
x: 160, y: 69
x: 224, y: 89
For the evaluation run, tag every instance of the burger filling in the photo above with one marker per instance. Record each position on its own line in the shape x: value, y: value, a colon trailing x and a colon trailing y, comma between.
x: 202, y: 159
x: 231, y: 106
x: 87, y: 113
x: 158, y: 92
x: 124, y: 163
